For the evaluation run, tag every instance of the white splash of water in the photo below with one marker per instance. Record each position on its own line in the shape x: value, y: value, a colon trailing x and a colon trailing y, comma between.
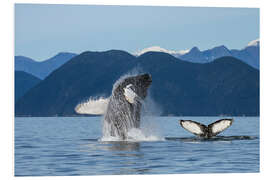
x: 149, y: 125
x: 107, y: 128
x: 134, y: 135
x: 139, y: 135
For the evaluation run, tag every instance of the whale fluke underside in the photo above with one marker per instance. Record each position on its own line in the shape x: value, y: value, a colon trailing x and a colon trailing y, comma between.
x: 219, y: 126
x: 206, y: 131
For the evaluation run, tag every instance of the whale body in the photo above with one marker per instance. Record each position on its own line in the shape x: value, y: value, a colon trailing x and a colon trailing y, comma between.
x: 204, y: 131
x: 124, y: 106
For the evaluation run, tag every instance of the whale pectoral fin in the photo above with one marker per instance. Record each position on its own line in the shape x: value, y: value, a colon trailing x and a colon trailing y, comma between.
x: 93, y: 106
x: 194, y: 127
x: 219, y: 126
x: 129, y: 94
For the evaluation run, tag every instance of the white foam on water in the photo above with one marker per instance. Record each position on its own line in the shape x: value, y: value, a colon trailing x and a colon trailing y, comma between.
x: 109, y: 138
x: 134, y: 135
x: 147, y: 132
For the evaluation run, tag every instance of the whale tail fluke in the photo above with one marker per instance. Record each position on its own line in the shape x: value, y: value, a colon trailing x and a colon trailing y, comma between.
x: 219, y: 126
x: 194, y: 127
x: 202, y: 130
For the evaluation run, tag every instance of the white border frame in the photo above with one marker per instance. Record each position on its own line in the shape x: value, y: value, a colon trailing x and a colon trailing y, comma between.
x: 7, y: 88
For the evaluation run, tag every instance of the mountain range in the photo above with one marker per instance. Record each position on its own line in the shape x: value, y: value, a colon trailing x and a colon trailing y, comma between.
x: 225, y: 86
x: 249, y: 54
x: 43, y: 68
x: 23, y: 82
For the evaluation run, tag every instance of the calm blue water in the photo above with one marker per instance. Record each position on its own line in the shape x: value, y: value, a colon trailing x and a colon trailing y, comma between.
x: 69, y: 146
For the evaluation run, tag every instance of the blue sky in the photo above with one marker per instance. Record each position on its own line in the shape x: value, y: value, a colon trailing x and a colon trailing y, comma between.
x: 42, y: 31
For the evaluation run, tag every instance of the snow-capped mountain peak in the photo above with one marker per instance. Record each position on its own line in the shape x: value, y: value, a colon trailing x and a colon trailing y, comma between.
x: 160, y: 49
x: 182, y: 52
x: 254, y: 43
x: 152, y: 48
x: 249, y: 54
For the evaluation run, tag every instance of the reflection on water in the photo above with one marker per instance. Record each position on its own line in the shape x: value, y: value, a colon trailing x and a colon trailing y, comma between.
x: 94, y: 144
x: 122, y: 145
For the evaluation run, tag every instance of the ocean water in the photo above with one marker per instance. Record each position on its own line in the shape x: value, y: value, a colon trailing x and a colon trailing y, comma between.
x: 68, y: 146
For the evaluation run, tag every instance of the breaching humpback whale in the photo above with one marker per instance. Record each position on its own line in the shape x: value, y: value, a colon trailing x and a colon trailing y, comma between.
x: 124, y: 106
x: 204, y: 131
x: 122, y: 109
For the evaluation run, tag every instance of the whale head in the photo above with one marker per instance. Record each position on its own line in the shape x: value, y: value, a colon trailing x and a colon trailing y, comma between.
x: 134, y: 87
